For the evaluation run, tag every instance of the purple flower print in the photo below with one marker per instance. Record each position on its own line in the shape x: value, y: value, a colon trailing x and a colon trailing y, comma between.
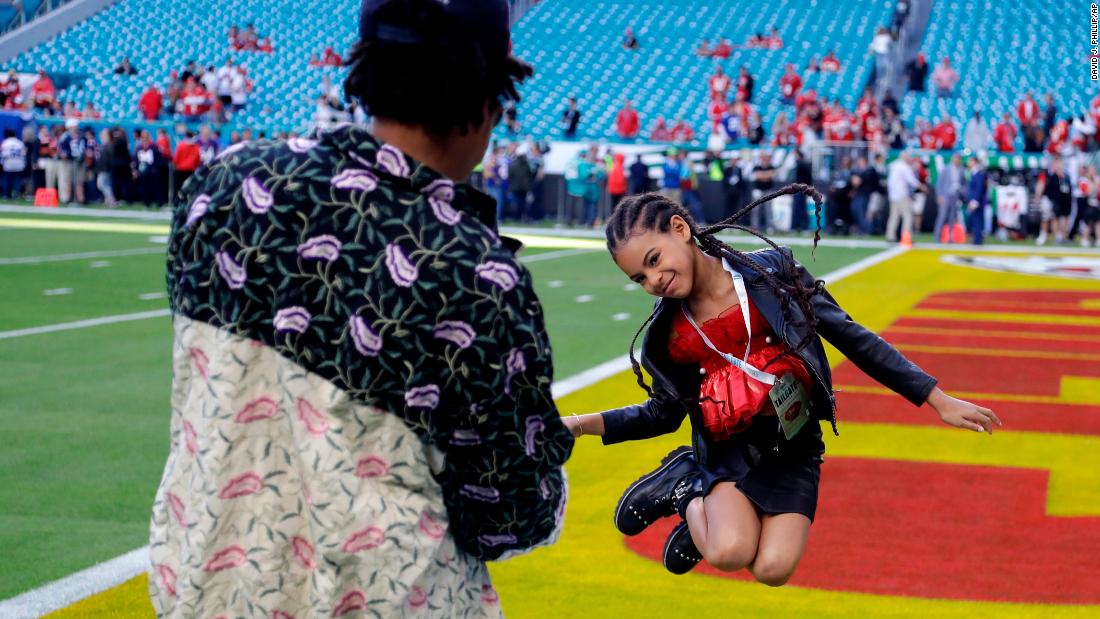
x: 423, y: 397
x: 393, y: 161
x: 402, y: 271
x: 498, y: 273
x: 256, y: 197
x: 456, y: 332
x: 355, y: 180
x: 292, y: 319
x: 231, y: 271
x: 484, y: 494
x: 325, y: 247
x: 366, y: 341
x: 198, y: 208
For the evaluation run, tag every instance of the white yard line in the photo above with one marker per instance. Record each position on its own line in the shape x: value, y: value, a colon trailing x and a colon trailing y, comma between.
x: 96, y: 579
x: 82, y: 324
x: 83, y: 255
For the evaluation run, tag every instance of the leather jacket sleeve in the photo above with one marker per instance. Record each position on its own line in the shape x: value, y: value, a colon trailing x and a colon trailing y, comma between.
x: 653, y: 417
x: 871, y: 354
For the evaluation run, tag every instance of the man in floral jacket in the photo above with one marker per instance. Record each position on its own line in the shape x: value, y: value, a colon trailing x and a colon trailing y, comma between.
x: 361, y: 409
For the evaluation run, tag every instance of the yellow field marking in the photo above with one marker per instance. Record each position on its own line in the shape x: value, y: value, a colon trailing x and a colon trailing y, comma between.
x: 1026, y: 318
x: 1070, y: 391
x: 996, y: 352
x: 1025, y: 335
x: 1080, y: 390
x: 84, y: 226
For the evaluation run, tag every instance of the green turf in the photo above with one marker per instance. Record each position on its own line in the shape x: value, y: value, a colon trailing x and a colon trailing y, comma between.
x: 84, y: 413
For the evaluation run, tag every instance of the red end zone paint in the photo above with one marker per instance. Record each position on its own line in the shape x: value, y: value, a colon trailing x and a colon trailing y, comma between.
x: 937, y: 531
x: 1019, y: 416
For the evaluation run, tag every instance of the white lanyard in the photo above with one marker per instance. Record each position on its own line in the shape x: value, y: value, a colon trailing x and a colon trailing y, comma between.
x: 743, y: 300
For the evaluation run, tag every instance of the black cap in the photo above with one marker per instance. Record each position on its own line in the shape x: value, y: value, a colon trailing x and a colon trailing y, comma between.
x: 483, y: 22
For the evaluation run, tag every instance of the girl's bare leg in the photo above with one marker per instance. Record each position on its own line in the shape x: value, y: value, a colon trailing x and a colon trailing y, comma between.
x: 730, y: 544
x: 782, y: 542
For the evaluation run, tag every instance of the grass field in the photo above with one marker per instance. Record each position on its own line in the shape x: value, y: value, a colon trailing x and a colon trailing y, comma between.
x: 84, y: 413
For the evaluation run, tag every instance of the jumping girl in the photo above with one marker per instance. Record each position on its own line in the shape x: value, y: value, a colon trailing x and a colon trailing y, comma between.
x: 735, y: 345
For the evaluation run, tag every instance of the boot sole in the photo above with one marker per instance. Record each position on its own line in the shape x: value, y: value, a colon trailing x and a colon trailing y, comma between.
x: 666, y: 462
x: 679, y: 531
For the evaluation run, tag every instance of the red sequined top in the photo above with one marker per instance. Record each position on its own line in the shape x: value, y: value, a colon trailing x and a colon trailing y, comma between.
x: 729, y: 397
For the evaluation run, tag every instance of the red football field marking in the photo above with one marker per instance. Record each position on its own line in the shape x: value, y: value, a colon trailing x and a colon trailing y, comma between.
x: 989, y: 340
x: 985, y: 374
x: 1074, y: 297
x: 1087, y: 333
x: 938, y: 531
x: 1017, y: 307
x: 1018, y: 416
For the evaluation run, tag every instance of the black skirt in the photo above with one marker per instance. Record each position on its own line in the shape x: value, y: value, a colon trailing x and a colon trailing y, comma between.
x: 777, y: 475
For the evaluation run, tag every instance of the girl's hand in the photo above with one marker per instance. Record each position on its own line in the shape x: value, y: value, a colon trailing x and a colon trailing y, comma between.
x: 573, y: 424
x: 963, y: 414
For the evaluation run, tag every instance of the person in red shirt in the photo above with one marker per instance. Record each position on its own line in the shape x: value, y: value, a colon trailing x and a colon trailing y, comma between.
x: 946, y: 134
x: 164, y: 144
x: 805, y: 98
x: 719, y: 84
x: 196, y: 100
x: 745, y: 84
x: 1059, y: 134
x: 11, y: 93
x: 718, y: 108
x: 1027, y: 111
x: 703, y: 49
x: 331, y: 58
x: 187, y: 159
x: 627, y: 123
x: 682, y: 132
x: 151, y: 103
x: 660, y: 131
x: 722, y: 50
x: 1005, y: 134
x: 773, y: 40
x: 830, y: 63
x: 43, y: 93
x: 927, y: 134
x: 789, y: 85
x: 867, y: 107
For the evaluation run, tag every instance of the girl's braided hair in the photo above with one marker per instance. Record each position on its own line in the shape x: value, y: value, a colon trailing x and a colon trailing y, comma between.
x: 652, y: 212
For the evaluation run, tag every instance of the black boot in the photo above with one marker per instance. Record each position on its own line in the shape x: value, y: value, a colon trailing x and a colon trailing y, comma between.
x: 680, y: 555
x: 663, y: 492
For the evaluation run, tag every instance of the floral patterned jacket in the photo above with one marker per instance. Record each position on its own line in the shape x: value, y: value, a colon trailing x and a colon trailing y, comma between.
x: 361, y: 409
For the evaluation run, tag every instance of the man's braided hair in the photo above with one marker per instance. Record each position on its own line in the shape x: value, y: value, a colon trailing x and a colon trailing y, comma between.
x: 652, y: 212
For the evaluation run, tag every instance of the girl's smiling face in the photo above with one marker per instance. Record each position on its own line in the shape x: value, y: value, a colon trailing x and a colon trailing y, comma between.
x: 662, y: 263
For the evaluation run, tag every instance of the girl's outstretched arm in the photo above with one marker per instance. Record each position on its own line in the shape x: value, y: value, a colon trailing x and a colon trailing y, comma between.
x: 962, y: 414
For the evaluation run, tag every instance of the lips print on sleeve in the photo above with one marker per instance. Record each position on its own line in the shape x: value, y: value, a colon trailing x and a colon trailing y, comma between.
x: 303, y: 552
x: 371, y: 466
x: 418, y: 598
x: 176, y: 505
x: 226, y: 558
x: 431, y: 527
x: 314, y: 421
x: 365, y: 539
x: 351, y: 602
x: 167, y: 578
x: 242, y: 485
x: 257, y: 410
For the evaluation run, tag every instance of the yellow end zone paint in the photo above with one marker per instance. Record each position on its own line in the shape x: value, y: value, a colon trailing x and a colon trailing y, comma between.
x: 591, y: 572
x: 83, y: 226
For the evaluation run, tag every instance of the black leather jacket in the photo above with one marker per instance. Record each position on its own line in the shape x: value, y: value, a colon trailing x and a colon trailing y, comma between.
x: 674, y: 382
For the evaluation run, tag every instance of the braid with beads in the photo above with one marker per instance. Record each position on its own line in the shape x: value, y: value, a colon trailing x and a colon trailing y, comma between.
x: 653, y: 212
